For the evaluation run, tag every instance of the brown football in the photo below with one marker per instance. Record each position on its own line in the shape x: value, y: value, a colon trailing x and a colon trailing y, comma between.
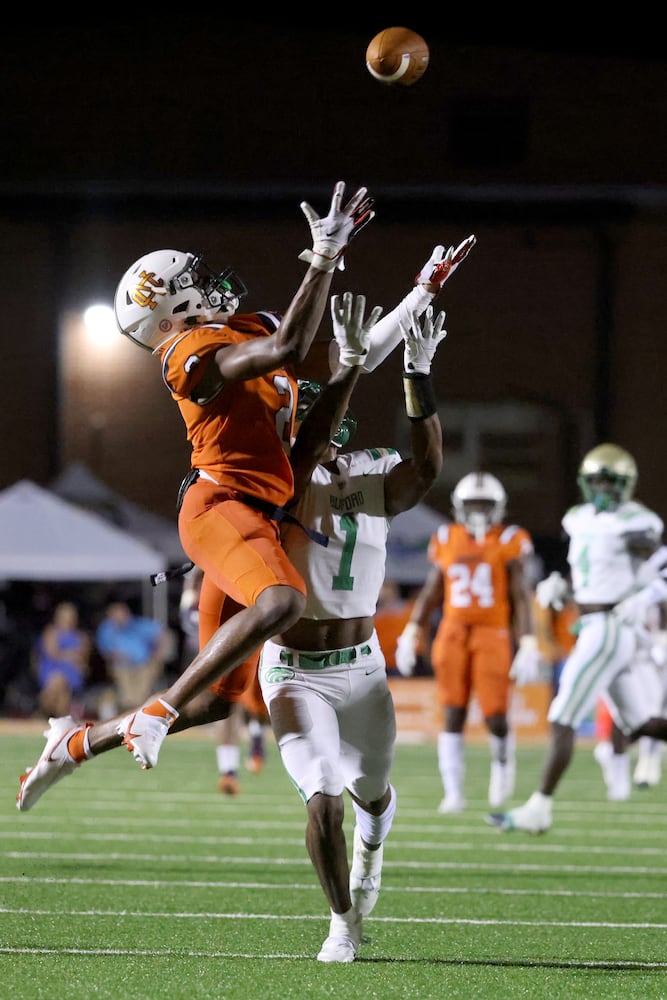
x: 397, y: 56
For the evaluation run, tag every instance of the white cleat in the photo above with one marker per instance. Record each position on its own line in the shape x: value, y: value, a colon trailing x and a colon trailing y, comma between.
x: 338, y: 949
x: 343, y: 941
x: 534, y: 816
x: 143, y: 736
x: 451, y: 804
x: 53, y: 765
x: 365, y: 876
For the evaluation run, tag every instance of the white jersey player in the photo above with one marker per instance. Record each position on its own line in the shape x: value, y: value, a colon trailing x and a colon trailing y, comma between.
x: 648, y: 608
x: 611, y: 536
x: 324, y: 680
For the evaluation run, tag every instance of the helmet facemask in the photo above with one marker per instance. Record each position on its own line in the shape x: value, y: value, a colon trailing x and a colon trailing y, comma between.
x: 222, y: 291
x: 478, y: 517
x: 308, y: 393
x: 604, y: 489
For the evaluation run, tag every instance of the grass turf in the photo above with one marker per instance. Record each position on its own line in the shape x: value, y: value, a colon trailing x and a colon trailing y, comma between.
x: 122, y: 882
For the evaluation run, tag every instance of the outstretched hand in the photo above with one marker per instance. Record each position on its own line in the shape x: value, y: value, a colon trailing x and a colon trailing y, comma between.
x: 332, y: 234
x: 441, y: 265
x: 351, y: 332
x: 421, y: 341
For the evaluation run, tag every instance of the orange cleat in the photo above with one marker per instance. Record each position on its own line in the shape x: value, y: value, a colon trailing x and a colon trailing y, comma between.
x: 228, y: 784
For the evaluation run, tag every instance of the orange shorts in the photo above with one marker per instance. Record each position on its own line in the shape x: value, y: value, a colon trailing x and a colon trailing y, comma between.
x: 467, y: 658
x: 240, y: 553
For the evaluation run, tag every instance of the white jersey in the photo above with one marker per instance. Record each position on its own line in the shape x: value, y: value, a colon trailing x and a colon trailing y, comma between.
x: 601, y: 568
x: 344, y: 579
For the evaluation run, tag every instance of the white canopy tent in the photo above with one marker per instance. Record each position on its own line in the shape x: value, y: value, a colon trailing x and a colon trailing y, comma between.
x: 45, y: 538
x: 79, y: 485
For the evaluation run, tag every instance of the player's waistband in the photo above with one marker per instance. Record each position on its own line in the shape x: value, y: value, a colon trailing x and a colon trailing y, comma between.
x: 318, y: 659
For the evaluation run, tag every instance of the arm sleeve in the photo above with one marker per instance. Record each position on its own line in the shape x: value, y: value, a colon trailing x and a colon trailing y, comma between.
x: 386, y: 333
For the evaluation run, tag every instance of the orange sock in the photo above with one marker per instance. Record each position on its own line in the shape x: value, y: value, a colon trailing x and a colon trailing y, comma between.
x: 77, y: 743
x: 161, y: 709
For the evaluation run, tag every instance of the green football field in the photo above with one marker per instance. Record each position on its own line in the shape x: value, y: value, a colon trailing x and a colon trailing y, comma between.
x: 153, y: 886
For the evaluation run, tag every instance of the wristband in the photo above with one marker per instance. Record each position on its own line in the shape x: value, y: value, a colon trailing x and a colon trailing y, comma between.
x: 419, y: 396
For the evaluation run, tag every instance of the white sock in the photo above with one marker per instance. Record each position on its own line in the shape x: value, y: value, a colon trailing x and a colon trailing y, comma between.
x: 341, y: 923
x: 451, y: 761
x: 229, y: 758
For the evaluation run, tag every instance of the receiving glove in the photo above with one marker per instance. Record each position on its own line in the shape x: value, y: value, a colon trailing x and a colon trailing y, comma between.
x: 332, y: 234
x: 350, y: 332
x: 406, y: 649
x: 551, y: 593
x: 525, y: 667
x: 421, y: 341
x: 441, y: 265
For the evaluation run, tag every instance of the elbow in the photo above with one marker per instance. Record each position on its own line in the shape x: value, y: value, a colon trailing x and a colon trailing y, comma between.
x: 291, y: 353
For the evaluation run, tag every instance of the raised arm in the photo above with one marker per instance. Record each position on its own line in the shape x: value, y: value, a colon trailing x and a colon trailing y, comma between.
x: 408, y: 482
x: 291, y: 342
x: 432, y: 276
x: 352, y: 332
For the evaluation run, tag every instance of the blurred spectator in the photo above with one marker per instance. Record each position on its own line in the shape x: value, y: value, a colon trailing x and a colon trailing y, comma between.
x: 63, y: 653
x: 135, y: 650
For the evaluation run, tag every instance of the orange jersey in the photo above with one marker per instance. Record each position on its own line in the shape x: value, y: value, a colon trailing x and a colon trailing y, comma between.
x: 475, y: 573
x: 239, y: 431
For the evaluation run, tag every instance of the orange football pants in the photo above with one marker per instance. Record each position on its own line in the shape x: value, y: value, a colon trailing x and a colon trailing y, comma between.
x: 240, y: 553
x: 467, y: 658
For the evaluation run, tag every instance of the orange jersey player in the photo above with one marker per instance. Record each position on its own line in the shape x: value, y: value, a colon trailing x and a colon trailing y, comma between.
x: 233, y: 433
x: 231, y: 381
x: 479, y: 582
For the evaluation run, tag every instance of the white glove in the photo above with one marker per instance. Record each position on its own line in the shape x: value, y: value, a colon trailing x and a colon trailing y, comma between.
x: 351, y: 333
x: 441, y: 265
x: 659, y: 649
x: 406, y: 649
x: 551, y: 593
x: 633, y: 609
x: 525, y: 667
x: 332, y: 234
x: 421, y: 341
x: 652, y: 566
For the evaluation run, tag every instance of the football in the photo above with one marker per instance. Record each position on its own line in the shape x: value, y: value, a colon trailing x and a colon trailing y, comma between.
x: 397, y: 56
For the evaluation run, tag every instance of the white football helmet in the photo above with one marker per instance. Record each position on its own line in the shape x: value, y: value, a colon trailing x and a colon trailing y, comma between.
x: 166, y: 291
x: 607, y: 476
x: 479, y: 501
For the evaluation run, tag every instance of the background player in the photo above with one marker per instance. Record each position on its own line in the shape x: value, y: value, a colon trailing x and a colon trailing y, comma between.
x: 480, y: 580
x: 610, y: 535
